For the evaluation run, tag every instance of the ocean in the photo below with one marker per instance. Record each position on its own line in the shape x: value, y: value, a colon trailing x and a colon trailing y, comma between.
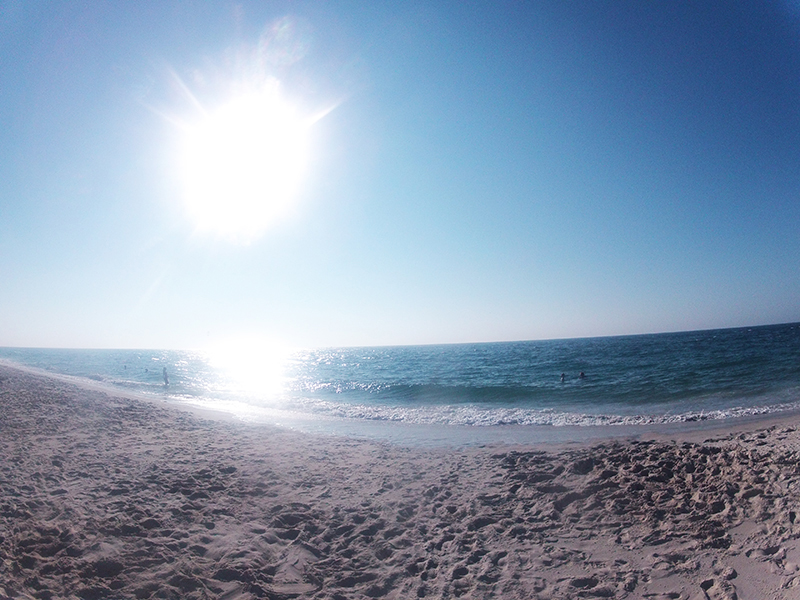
x: 483, y: 392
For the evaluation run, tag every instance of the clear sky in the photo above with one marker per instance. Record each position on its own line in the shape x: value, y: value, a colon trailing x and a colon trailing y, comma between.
x: 367, y: 173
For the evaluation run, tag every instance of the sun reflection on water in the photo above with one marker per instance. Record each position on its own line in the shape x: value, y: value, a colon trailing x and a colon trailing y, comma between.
x: 252, y: 365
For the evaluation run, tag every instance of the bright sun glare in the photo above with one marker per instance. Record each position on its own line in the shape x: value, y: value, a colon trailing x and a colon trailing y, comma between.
x: 242, y: 163
x: 252, y: 364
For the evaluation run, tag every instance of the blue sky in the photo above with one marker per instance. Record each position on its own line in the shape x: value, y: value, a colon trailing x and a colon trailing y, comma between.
x: 472, y: 171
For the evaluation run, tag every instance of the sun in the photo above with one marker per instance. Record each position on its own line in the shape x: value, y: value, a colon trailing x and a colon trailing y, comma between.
x: 242, y: 164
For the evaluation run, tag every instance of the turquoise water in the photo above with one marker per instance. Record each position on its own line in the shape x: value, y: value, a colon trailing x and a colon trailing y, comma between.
x: 628, y: 380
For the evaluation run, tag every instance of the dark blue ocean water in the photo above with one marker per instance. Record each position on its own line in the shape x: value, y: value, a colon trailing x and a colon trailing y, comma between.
x: 659, y: 378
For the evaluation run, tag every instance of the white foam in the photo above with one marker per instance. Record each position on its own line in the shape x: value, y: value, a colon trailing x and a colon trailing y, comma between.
x: 481, y: 416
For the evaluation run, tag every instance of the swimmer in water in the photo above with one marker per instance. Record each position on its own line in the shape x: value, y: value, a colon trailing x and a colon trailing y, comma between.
x: 563, y: 377
x: 166, y: 377
x: 582, y: 375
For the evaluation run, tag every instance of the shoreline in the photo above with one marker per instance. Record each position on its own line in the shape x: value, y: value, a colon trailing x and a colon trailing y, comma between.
x: 439, y: 435
x: 103, y: 495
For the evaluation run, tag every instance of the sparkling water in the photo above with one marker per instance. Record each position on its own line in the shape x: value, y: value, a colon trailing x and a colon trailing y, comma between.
x: 612, y: 381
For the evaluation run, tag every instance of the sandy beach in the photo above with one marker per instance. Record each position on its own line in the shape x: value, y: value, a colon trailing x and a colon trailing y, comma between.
x: 106, y: 496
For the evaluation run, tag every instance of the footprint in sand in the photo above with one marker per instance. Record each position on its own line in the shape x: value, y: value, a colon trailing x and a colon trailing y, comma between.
x: 292, y: 577
x: 719, y: 589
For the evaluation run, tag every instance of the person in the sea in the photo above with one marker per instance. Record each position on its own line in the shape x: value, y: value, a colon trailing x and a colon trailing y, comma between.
x: 166, y: 377
x: 563, y: 377
x: 582, y: 375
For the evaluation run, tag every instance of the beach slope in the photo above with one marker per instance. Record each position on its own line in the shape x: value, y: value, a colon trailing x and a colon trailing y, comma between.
x: 104, y: 496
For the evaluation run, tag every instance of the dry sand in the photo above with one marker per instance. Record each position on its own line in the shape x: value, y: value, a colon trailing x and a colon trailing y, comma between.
x: 105, y: 496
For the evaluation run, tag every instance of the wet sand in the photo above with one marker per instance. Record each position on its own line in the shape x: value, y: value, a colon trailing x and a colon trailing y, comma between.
x: 107, y: 496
